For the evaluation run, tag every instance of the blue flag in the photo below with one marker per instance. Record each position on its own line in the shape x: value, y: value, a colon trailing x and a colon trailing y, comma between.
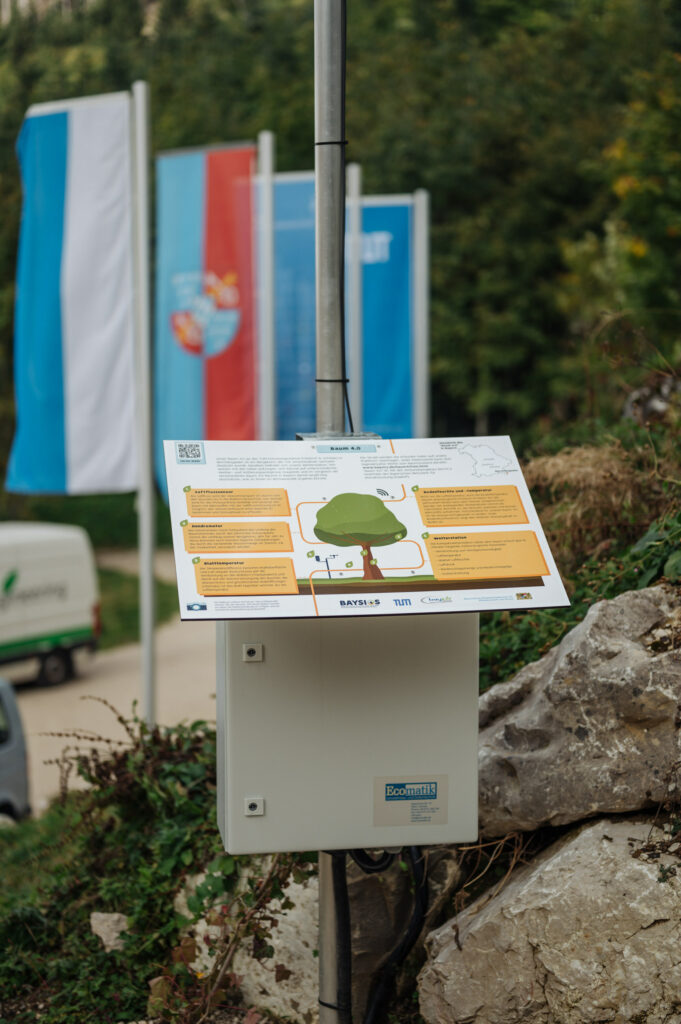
x: 387, y: 316
x: 387, y: 309
x: 294, y: 303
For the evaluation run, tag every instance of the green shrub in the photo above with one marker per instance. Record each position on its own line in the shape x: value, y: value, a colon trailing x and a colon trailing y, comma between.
x: 510, y: 640
x: 128, y: 844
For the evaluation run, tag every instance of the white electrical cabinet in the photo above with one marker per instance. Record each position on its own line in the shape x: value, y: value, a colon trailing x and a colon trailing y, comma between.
x: 347, y: 733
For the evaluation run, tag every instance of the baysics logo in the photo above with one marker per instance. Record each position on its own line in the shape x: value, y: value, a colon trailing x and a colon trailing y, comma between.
x: 411, y: 791
x: 402, y: 602
x: 196, y: 607
x: 360, y: 603
x: 436, y: 600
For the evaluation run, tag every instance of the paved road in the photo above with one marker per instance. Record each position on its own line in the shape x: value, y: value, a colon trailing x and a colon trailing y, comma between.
x: 185, y: 653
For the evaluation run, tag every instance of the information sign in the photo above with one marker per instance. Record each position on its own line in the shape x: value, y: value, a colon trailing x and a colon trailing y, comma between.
x: 299, y: 529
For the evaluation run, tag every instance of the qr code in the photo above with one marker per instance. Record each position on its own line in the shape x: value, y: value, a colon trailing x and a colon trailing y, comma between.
x: 190, y: 452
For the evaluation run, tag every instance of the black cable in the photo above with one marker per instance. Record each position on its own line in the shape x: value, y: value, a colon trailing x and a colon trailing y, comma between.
x: 383, y: 980
x: 343, y: 938
x: 372, y: 865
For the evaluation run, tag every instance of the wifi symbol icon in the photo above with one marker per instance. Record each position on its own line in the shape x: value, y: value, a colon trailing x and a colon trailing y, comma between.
x: 384, y: 494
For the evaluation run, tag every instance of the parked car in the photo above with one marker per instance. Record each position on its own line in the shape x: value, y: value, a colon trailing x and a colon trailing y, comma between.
x: 49, y: 598
x: 14, y: 801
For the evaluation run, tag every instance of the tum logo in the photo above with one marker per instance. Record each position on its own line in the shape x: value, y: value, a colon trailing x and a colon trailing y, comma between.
x: 402, y: 602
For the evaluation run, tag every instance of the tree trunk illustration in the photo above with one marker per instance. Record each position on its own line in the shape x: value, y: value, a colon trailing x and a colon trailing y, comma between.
x: 371, y: 572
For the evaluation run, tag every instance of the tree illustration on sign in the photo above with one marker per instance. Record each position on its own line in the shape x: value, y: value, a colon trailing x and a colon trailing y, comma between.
x: 361, y: 520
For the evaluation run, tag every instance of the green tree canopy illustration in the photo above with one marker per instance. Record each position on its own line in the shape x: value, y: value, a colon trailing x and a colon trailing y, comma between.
x: 362, y: 520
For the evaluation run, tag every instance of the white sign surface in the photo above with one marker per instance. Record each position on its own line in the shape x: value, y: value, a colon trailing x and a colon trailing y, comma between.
x: 289, y: 529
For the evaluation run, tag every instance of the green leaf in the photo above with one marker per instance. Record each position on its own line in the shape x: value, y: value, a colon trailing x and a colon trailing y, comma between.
x: 195, y: 904
x: 187, y: 857
x: 648, y: 576
x: 648, y: 540
x: 167, y: 866
x: 9, y: 581
x: 672, y: 567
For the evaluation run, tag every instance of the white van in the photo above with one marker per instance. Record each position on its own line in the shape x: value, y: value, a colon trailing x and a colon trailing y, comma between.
x: 49, y: 600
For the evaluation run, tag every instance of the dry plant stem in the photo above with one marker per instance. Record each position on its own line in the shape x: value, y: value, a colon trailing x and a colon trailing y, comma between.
x: 117, y: 715
x: 220, y: 972
x: 656, y: 465
x: 672, y: 776
x: 499, y: 845
x: 88, y: 736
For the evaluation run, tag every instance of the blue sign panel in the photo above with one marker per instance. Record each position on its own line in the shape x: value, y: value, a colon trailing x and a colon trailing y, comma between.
x: 387, y: 319
x: 387, y: 314
x: 294, y: 305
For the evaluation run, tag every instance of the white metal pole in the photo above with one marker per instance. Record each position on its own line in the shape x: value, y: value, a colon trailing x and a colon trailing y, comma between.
x: 329, y: 56
x: 421, y: 350
x: 145, y: 496
x: 329, y: 211
x: 266, y: 345
x: 328, y: 948
x: 354, y: 292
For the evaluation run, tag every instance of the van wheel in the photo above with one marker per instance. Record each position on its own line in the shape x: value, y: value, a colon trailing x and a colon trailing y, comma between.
x: 55, y: 668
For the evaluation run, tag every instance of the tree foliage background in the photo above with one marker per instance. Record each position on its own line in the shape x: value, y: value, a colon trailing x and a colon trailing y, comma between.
x: 547, y: 132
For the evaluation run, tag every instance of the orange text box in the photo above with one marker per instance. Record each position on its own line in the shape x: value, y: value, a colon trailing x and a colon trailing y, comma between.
x: 496, y: 505
x: 209, y: 503
x: 242, y: 576
x: 200, y: 538
x: 482, y: 556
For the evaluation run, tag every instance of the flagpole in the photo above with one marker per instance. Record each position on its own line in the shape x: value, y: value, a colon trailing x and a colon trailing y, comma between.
x: 335, y: 995
x: 354, y: 293
x: 145, y: 494
x: 266, y: 346
x: 421, y: 349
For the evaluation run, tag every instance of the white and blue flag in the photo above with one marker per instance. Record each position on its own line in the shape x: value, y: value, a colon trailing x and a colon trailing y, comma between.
x: 73, y: 331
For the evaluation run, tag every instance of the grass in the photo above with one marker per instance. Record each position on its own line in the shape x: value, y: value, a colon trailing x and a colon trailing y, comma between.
x: 37, y: 849
x: 119, y: 595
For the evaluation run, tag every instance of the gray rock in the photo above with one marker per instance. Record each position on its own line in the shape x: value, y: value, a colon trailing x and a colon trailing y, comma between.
x: 285, y: 985
x: 593, y: 726
x: 292, y: 990
x: 109, y: 928
x: 586, y: 933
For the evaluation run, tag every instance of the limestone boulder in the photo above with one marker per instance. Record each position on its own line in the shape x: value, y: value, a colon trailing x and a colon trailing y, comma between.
x: 592, y: 727
x: 110, y: 928
x: 287, y: 985
x: 586, y: 933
